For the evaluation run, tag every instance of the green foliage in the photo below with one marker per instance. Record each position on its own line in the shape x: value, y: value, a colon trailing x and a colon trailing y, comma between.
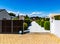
x: 28, y: 22
x: 16, y: 18
x: 47, y: 19
x: 37, y: 18
x: 43, y: 19
x: 38, y: 21
x: 47, y: 25
x: 25, y: 26
x: 42, y: 23
x: 27, y: 17
x: 57, y: 17
x: 12, y: 14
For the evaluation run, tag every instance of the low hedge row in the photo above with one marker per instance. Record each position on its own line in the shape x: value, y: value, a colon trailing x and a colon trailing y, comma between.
x: 42, y: 23
x: 25, y: 26
x: 38, y: 21
x: 57, y: 17
x: 28, y: 22
x: 47, y: 19
x: 47, y: 25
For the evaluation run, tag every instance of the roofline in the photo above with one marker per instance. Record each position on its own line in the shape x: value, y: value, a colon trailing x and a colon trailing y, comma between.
x: 52, y: 15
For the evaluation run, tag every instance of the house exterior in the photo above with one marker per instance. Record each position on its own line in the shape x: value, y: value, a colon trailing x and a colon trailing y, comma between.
x: 4, y: 15
x: 21, y: 17
x: 55, y: 24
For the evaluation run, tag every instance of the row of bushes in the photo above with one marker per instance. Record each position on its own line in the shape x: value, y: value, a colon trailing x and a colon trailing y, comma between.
x: 26, y: 24
x: 45, y: 24
x: 57, y: 17
x: 38, y: 21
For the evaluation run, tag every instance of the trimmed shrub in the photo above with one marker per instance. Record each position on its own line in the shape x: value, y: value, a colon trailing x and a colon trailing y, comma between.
x: 25, y: 26
x: 43, y: 19
x: 57, y: 17
x: 47, y: 25
x: 16, y: 18
x: 42, y: 23
x: 27, y: 21
x: 38, y: 21
x: 47, y: 19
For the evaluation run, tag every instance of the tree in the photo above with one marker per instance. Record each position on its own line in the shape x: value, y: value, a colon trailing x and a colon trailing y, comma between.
x: 18, y: 16
x: 12, y: 14
x: 47, y: 25
x: 26, y: 17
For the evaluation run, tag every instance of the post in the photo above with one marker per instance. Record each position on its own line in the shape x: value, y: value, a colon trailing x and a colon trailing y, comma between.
x: 11, y: 26
x: 23, y: 28
x: 22, y: 18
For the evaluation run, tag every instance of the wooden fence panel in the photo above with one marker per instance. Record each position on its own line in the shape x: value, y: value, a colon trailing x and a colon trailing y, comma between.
x: 17, y: 26
x: 6, y: 26
x: 12, y: 26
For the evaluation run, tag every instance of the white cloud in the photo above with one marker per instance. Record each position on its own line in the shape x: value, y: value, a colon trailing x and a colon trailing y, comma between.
x: 31, y: 14
x: 40, y: 14
x: 16, y: 12
x: 36, y: 13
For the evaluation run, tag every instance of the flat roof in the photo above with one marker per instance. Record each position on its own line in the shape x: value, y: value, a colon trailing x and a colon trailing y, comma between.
x: 52, y: 15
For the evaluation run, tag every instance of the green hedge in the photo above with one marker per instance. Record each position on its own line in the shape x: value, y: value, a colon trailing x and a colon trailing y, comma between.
x: 16, y: 18
x: 43, y: 19
x: 27, y: 21
x: 47, y: 19
x: 38, y: 21
x: 47, y: 25
x: 42, y: 23
x: 25, y: 26
x: 57, y: 17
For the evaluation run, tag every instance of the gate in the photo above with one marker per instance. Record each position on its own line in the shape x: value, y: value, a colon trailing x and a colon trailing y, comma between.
x: 11, y: 26
x: 17, y: 26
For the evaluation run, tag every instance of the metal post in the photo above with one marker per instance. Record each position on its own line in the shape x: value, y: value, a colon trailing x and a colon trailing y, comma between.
x: 0, y: 26
x: 11, y: 26
x: 22, y: 30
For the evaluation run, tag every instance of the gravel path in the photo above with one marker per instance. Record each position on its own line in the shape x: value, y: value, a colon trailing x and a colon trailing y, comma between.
x: 35, y: 27
x: 32, y: 38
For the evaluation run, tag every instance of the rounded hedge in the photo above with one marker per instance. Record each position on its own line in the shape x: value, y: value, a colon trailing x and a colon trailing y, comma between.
x: 42, y: 23
x: 47, y: 25
x: 27, y: 21
x: 57, y: 17
x: 47, y: 19
x: 38, y: 21
x: 25, y: 26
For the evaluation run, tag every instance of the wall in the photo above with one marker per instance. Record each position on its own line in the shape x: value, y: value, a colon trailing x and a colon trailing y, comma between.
x: 55, y: 27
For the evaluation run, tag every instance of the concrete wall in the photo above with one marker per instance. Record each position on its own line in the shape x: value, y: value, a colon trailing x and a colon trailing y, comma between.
x: 55, y: 27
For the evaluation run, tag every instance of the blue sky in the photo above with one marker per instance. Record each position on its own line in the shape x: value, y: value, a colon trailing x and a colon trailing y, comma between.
x: 34, y: 7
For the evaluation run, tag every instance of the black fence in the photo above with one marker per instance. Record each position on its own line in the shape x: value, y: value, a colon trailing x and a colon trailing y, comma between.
x: 11, y: 26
